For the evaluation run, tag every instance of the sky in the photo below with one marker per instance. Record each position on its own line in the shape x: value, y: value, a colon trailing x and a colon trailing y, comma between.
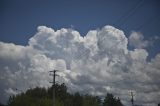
x: 119, y: 39
x: 22, y: 17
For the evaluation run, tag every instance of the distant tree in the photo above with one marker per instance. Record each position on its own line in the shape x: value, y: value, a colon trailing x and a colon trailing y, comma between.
x: 91, y: 100
x: 43, y: 97
x: 110, y: 100
x: 118, y: 102
x: 37, y: 92
x: 32, y: 97
x: 158, y: 104
x: 77, y: 99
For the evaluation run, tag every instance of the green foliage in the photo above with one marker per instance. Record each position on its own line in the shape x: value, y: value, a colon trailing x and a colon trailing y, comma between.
x: 43, y: 97
x: 91, y: 100
x: 110, y: 100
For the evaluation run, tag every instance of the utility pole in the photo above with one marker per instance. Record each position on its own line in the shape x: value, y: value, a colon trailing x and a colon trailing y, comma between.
x: 54, y: 75
x: 132, y: 99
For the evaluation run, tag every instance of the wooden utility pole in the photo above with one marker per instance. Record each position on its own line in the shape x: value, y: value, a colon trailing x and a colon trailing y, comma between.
x: 54, y: 76
x: 132, y: 99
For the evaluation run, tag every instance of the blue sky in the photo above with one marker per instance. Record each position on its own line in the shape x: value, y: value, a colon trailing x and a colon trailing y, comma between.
x: 20, y: 18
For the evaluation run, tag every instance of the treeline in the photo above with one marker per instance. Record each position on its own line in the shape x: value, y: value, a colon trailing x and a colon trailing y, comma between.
x: 43, y: 97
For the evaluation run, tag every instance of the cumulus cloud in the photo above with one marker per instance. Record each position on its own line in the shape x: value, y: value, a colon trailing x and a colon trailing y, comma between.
x: 136, y: 39
x: 96, y: 64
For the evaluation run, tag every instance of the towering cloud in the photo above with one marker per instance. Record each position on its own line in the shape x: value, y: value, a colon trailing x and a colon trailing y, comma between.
x: 96, y: 64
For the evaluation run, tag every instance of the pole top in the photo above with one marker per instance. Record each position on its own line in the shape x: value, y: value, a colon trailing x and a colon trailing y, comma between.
x: 54, y: 71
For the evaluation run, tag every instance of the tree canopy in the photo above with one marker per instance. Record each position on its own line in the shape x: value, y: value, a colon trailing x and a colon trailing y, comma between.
x: 43, y: 97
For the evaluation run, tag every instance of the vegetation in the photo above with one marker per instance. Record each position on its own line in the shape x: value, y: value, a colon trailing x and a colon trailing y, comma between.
x: 110, y: 100
x: 43, y: 97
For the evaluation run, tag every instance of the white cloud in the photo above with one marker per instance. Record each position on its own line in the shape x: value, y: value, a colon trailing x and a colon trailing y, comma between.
x: 10, y: 91
x: 139, y: 54
x: 136, y: 39
x: 97, y: 63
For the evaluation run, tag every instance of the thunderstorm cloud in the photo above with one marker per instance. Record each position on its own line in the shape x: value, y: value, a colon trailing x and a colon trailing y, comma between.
x: 97, y: 63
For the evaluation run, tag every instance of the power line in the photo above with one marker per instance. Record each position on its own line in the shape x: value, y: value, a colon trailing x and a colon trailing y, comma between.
x: 130, y: 12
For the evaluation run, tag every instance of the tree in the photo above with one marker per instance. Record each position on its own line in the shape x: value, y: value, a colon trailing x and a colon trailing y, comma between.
x: 77, y: 99
x: 110, y: 100
x: 43, y: 97
x: 91, y: 100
